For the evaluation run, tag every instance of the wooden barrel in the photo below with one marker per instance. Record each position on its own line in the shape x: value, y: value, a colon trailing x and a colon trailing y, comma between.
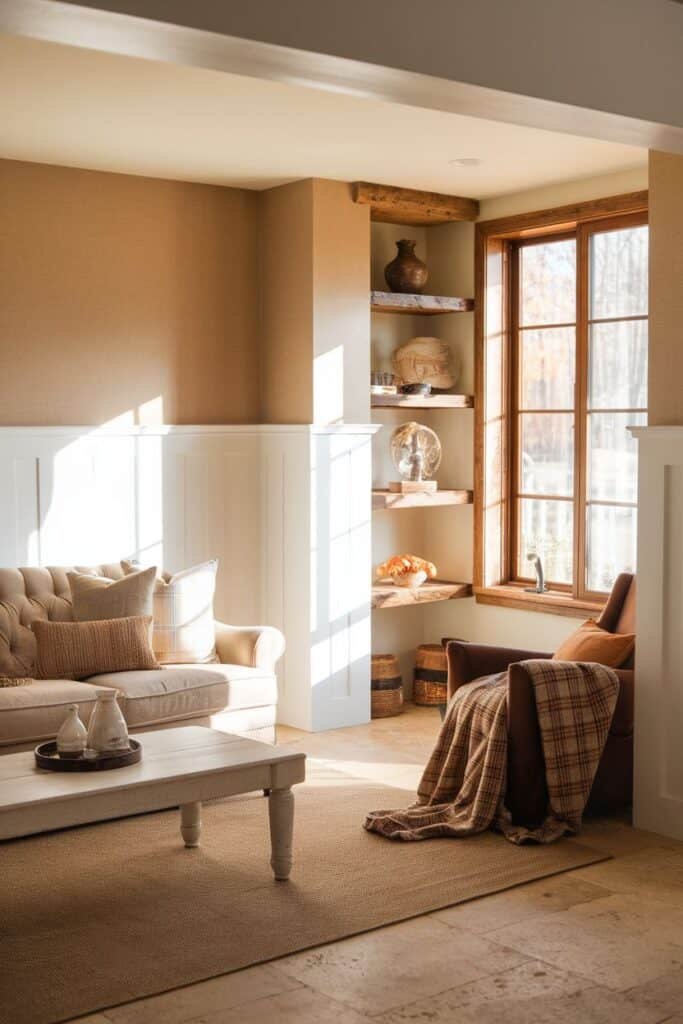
x: 431, y: 675
x: 386, y: 686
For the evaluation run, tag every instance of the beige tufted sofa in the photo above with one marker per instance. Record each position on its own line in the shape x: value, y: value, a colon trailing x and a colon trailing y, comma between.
x: 238, y: 695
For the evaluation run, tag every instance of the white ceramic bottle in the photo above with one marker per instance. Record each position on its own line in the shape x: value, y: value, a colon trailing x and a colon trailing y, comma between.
x: 107, y: 729
x: 72, y: 735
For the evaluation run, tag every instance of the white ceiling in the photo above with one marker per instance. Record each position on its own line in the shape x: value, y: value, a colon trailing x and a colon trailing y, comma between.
x: 88, y: 109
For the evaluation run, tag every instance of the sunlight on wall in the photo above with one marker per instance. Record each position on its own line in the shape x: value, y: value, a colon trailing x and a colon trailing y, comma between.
x: 328, y: 386
x: 340, y: 552
x: 151, y: 413
x: 99, y: 495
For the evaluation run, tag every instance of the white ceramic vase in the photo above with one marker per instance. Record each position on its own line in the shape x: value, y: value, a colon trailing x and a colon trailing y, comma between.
x: 72, y: 735
x: 107, y: 729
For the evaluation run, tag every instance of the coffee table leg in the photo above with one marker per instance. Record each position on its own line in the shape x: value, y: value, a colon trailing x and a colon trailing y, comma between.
x: 281, y: 815
x: 191, y: 823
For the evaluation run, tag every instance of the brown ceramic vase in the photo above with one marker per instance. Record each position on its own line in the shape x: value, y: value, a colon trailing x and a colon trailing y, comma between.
x: 406, y: 273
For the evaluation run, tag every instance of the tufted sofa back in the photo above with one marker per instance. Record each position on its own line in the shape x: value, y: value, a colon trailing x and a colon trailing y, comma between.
x: 30, y: 594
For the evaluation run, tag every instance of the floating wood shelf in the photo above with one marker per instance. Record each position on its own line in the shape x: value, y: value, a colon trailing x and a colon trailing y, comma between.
x: 412, y: 206
x: 388, y: 595
x: 421, y: 401
x: 418, y: 305
x: 419, y: 499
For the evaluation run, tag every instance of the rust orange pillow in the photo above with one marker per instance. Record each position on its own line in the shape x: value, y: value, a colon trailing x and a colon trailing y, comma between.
x: 591, y: 643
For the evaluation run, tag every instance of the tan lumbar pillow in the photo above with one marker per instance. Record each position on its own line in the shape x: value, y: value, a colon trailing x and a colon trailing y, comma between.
x: 592, y: 643
x: 98, y: 597
x: 184, y: 631
x: 77, y: 650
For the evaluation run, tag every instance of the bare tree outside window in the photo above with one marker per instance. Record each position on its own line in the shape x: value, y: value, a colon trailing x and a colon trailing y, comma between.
x: 574, y: 462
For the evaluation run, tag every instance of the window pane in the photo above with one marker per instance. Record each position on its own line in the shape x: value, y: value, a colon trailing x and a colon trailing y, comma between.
x: 547, y: 368
x: 618, y: 365
x: 611, y: 545
x: 546, y: 530
x: 547, y: 453
x: 494, y: 376
x: 613, y: 456
x: 493, y: 565
x: 548, y: 283
x: 493, y: 483
x: 618, y: 273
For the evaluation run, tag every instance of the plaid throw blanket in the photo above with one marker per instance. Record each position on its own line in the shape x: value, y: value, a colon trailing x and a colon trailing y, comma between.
x: 462, y: 789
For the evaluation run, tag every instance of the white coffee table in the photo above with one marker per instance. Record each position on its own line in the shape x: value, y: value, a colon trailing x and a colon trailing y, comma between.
x: 179, y: 768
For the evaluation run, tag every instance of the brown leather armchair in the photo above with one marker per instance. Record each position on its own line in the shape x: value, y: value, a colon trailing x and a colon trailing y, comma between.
x: 527, y: 796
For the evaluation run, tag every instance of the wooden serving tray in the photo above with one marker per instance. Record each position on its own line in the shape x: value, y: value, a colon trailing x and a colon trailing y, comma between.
x: 47, y: 757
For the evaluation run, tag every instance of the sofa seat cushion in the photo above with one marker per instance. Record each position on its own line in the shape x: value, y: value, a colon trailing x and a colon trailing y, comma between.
x: 186, y: 691
x: 35, y: 712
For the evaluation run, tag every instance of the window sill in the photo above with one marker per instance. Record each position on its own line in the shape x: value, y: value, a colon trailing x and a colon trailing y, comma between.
x: 510, y: 595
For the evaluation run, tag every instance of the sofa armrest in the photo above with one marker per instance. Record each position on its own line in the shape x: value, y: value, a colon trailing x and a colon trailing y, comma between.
x: 470, y: 661
x: 254, y: 646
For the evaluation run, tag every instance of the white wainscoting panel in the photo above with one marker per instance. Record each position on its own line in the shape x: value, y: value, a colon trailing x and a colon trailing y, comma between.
x: 170, y: 497
x: 658, y: 783
x: 286, y: 510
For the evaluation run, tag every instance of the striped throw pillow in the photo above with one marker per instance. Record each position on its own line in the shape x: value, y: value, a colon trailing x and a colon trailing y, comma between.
x: 184, y: 631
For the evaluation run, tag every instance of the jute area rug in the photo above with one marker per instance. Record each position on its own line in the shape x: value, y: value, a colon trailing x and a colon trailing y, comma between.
x: 99, y: 915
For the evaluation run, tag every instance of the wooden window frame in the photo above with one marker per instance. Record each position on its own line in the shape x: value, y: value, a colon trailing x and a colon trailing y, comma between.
x: 494, y: 241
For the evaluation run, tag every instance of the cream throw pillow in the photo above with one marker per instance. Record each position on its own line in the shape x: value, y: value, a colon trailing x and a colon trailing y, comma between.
x: 97, y: 597
x: 184, y: 631
x: 77, y: 650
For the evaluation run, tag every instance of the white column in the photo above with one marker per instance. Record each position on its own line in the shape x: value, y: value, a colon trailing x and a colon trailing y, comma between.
x: 658, y: 782
x: 317, y: 570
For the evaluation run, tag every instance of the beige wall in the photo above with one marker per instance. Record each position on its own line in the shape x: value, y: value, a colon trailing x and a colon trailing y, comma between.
x: 124, y: 296
x: 144, y: 300
x: 341, y: 318
x: 286, y: 219
x: 666, y: 289
x: 315, y: 278
x: 579, y: 191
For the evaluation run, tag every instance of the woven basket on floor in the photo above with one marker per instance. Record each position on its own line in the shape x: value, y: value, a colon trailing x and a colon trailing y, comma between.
x: 386, y: 686
x: 431, y: 675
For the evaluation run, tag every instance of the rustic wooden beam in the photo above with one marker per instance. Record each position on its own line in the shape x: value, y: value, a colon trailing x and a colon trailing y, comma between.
x: 412, y: 206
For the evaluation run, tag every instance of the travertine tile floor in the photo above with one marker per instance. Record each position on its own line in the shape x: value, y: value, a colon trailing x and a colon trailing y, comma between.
x: 598, y: 945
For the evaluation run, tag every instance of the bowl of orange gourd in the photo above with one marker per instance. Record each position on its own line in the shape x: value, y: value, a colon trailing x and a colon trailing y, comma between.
x: 406, y: 570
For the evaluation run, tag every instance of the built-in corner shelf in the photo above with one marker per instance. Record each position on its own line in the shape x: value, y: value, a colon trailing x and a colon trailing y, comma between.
x: 388, y: 595
x: 421, y: 401
x: 419, y: 499
x: 418, y: 305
